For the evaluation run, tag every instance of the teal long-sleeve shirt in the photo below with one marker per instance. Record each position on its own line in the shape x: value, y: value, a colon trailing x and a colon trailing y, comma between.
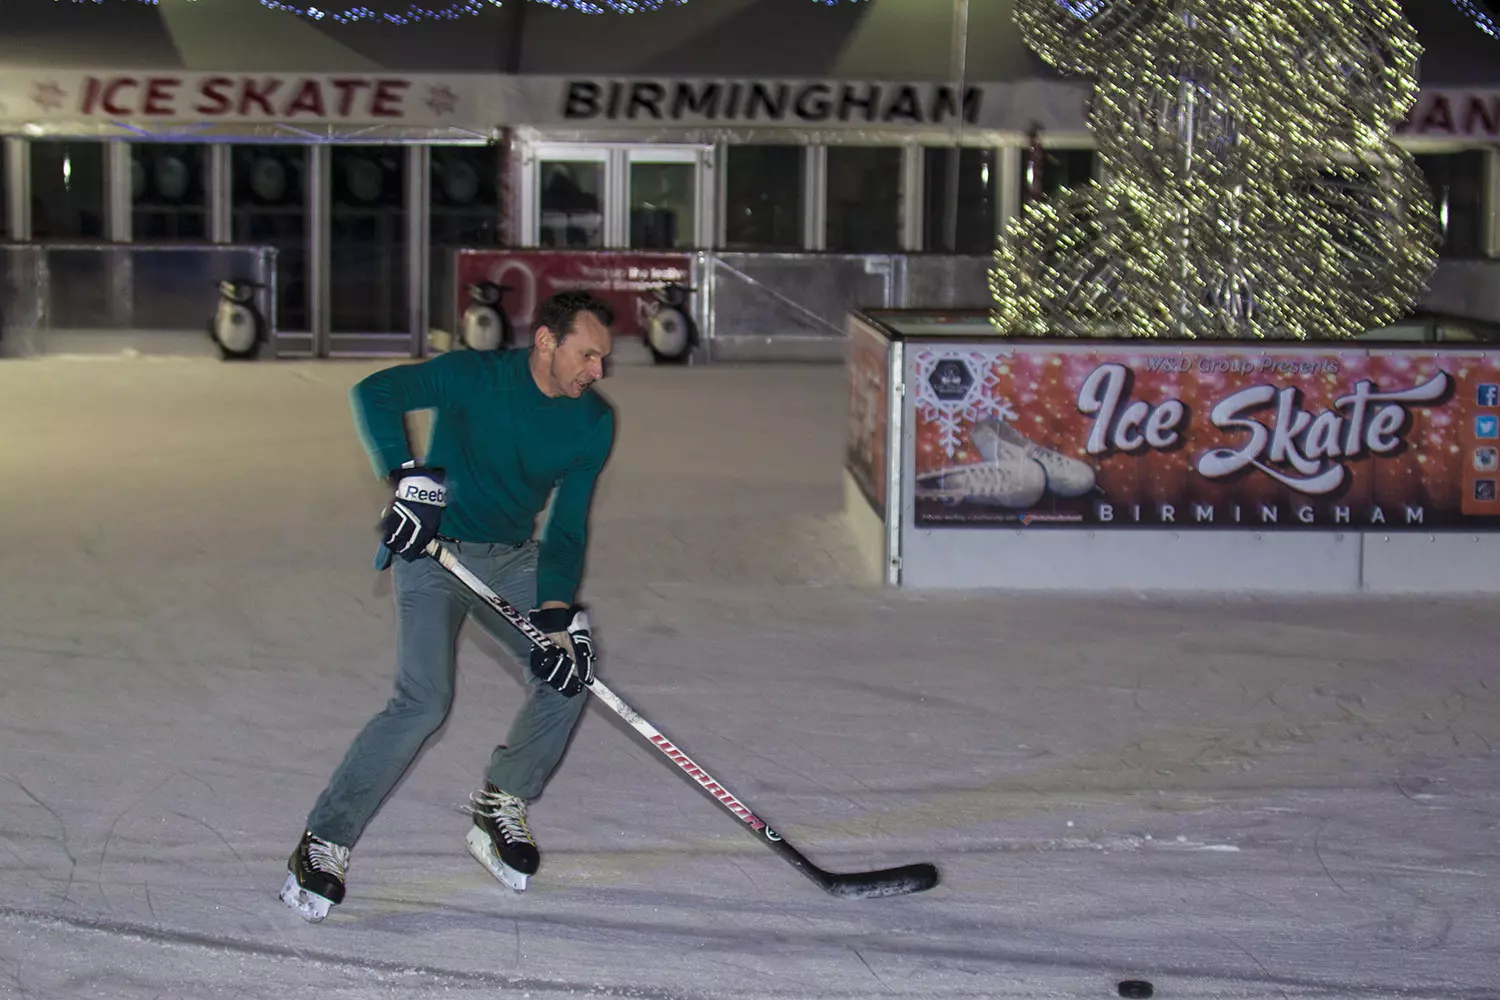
x: 503, y: 445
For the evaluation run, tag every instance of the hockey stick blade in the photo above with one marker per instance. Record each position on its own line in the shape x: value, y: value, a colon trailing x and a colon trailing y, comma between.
x: 886, y: 882
x: 852, y: 885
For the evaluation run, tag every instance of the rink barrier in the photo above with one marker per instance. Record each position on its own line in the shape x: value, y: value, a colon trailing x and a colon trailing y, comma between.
x: 748, y: 306
x: 89, y: 298
x: 792, y: 307
x: 980, y: 461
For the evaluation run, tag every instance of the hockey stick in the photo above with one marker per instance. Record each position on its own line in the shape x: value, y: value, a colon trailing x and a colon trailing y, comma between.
x: 854, y: 885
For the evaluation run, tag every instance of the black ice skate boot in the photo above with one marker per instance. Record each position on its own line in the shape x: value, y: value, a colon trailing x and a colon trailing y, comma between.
x: 316, y: 881
x: 499, y: 839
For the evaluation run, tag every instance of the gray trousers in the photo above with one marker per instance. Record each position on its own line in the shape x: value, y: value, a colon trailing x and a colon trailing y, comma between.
x: 431, y: 606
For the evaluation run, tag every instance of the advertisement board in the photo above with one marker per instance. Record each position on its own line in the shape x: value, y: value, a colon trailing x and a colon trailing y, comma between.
x: 624, y: 279
x: 1204, y: 438
x: 868, y: 434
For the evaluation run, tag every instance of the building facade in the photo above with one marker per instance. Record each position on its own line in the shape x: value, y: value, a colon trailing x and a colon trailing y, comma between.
x: 365, y: 150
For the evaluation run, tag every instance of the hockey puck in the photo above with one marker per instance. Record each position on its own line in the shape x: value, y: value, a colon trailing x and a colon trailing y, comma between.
x: 1135, y: 989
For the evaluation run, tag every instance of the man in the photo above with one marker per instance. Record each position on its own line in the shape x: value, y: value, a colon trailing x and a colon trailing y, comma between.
x: 509, y: 427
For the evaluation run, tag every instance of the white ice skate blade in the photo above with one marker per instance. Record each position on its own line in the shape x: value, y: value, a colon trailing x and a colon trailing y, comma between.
x: 484, y: 852
x: 309, y: 905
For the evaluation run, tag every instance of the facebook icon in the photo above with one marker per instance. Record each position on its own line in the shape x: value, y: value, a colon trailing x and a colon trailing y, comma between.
x: 1489, y: 394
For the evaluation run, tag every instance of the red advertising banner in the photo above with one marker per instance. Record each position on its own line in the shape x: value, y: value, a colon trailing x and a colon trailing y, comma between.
x: 869, y: 413
x: 1389, y: 439
x: 624, y: 279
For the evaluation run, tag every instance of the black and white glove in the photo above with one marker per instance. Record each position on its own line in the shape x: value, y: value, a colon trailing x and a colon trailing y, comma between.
x: 569, y: 667
x: 411, y: 521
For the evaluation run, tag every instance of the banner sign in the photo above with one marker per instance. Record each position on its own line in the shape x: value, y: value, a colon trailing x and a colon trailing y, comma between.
x: 481, y: 101
x: 290, y: 98
x: 624, y: 279
x: 869, y: 412
x: 1204, y: 438
x: 1468, y: 114
x: 770, y: 102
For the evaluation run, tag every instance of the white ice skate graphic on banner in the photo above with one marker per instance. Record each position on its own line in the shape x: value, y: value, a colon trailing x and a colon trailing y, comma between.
x: 954, y: 387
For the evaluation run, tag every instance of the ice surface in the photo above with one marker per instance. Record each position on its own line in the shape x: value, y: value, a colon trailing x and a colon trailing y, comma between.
x: 1232, y: 798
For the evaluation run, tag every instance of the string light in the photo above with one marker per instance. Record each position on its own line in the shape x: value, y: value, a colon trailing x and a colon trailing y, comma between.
x: 462, y: 8
x: 1253, y: 185
x: 1481, y: 17
x: 412, y: 15
x: 610, y: 6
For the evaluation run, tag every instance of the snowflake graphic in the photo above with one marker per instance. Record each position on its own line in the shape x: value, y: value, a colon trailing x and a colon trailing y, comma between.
x: 441, y: 99
x: 957, y: 403
x: 48, y: 96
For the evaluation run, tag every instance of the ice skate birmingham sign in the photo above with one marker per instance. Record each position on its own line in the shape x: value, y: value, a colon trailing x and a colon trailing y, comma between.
x: 1118, y: 464
x: 480, y: 101
x: 1209, y: 438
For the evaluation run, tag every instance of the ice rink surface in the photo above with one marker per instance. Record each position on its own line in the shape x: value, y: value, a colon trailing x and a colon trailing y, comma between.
x: 1229, y: 797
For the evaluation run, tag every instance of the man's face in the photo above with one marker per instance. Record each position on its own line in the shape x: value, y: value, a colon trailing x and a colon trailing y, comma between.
x: 578, y: 362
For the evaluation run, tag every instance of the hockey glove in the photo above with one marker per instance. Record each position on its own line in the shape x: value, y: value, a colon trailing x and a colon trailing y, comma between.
x: 569, y: 667
x: 411, y: 521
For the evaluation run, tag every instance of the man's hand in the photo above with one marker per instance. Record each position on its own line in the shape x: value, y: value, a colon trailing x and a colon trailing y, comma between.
x: 411, y: 521
x: 569, y: 667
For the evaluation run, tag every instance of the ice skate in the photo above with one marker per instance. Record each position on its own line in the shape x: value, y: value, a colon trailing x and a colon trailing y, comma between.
x: 1008, y: 482
x: 316, y: 879
x: 1066, y: 476
x: 499, y: 839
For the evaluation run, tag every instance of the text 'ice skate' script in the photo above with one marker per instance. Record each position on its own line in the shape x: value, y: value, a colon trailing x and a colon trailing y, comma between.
x: 1304, y: 450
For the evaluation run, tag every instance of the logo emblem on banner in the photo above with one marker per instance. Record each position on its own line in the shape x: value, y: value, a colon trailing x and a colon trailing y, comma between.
x: 955, y: 387
x: 951, y: 381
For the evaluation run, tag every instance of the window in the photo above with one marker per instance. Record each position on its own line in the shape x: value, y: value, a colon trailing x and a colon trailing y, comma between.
x: 1457, y: 184
x: 168, y: 192
x: 268, y: 205
x: 464, y: 183
x: 1061, y: 168
x: 367, y: 244
x: 763, y: 198
x: 572, y: 204
x: 662, y: 196
x: 67, y: 190
x: 864, y: 199
x: 960, y: 218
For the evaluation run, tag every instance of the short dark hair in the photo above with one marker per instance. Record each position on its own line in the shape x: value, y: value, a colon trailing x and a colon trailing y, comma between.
x: 560, y: 310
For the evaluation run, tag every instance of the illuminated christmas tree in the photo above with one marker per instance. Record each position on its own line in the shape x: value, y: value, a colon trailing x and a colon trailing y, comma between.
x: 1252, y: 186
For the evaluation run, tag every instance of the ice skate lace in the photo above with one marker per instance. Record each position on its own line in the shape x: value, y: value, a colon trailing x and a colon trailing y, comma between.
x: 508, y: 811
x: 328, y: 858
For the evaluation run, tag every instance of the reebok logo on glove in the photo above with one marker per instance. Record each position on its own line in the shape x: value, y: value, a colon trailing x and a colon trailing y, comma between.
x: 411, y: 521
x: 422, y: 489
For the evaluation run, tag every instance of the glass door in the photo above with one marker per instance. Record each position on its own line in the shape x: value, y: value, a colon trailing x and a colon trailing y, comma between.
x: 269, y: 188
x: 665, y: 190
x: 368, y: 256
x: 598, y: 196
x: 566, y: 209
x: 464, y: 204
x: 169, y: 185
